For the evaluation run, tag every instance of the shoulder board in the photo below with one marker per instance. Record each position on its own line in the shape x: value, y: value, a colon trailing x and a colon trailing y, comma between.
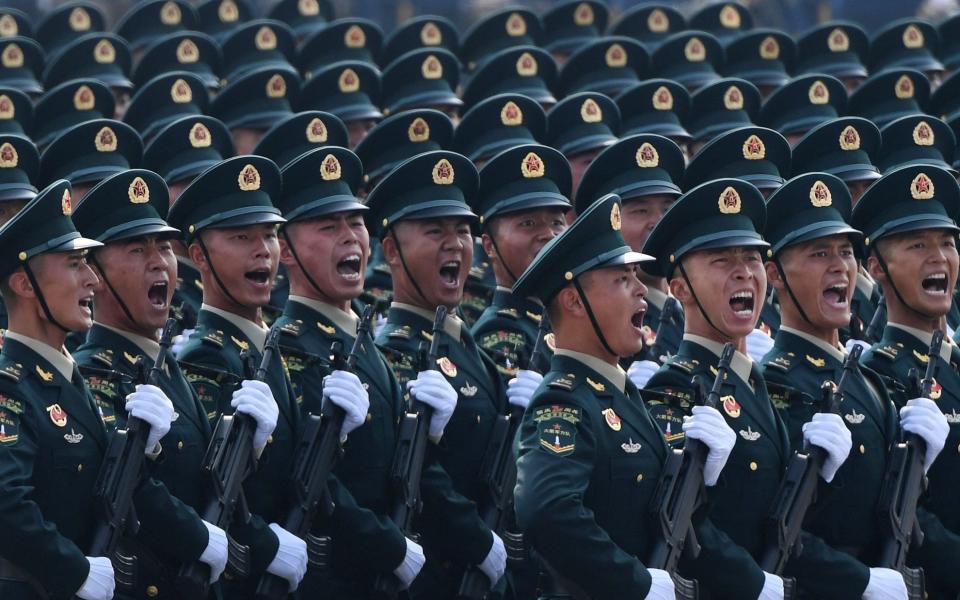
x: 292, y: 327
x: 510, y: 313
x: 402, y: 333
x: 669, y: 396
x: 782, y: 362
x: 215, y: 338
x: 13, y: 371
x: 567, y: 382
x: 887, y: 351
x: 682, y: 363
x: 104, y: 357
x: 328, y: 330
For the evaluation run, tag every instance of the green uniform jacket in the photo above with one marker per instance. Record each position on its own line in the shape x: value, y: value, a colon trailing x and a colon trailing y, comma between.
x: 939, y: 555
x: 210, y: 359
x: 510, y: 324
x: 732, y: 539
x: 452, y: 538
x: 365, y: 540
x: 188, y: 296
x: 589, y: 461
x: 108, y: 363
x: 841, y: 538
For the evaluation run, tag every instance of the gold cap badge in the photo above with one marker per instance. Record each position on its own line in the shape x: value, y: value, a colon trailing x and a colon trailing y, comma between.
x: 730, y: 17
x: 105, y: 140
x: 753, y: 148
x: 923, y: 134
x: 516, y: 25
x: 276, y: 87
x: 432, y: 68
x: 590, y: 111
x: 138, y: 192
x: 8, y: 156
x: 849, y: 138
x: 330, y: 168
x: 265, y: 39
x: 8, y: 26
x: 818, y: 93
x: 820, y: 195
x: 904, y: 87
x: 8, y: 109
x: 355, y: 37
x: 583, y: 15
x: 228, y: 12
x: 770, y: 48
x: 729, y: 201
x: 308, y: 8
x: 647, y: 156
x: 316, y: 131
x: 66, y: 206
x: 84, y: 98
x: 526, y: 65
x: 104, y: 52
x: 349, y: 82
x: 657, y: 21
x: 921, y: 188
x: 616, y: 56
x: 443, y: 172
x: 615, y: 222
x: 694, y: 50
x: 419, y: 130
x: 79, y: 19
x: 532, y: 166
x: 180, y: 92
x: 170, y: 14
x: 430, y: 34
x: 249, y: 178
x: 662, y: 98
x: 733, y: 98
x: 511, y: 115
x: 12, y: 57
x: 912, y: 37
x: 200, y: 136
x: 187, y: 52
x: 838, y: 40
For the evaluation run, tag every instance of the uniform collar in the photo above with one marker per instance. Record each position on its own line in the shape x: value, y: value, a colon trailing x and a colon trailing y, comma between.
x: 836, y: 353
x: 741, y: 364
x: 865, y: 283
x: 452, y: 325
x: 612, y: 373
x: 346, y: 321
x: 656, y: 297
x: 255, y: 333
x: 60, y: 359
x: 926, y: 337
x: 149, y: 347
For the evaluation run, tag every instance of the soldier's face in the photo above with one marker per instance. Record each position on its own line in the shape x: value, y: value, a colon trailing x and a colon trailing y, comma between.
x: 822, y: 275
x: 923, y: 266
x: 334, y: 252
x: 616, y: 297
x: 67, y: 283
x: 358, y: 130
x: 9, y: 209
x: 578, y: 166
x: 731, y: 285
x: 143, y: 272
x: 520, y: 236
x: 857, y: 188
x: 245, y: 259
x: 640, y: 215
x: 245, y: 140
x: 438, y: 253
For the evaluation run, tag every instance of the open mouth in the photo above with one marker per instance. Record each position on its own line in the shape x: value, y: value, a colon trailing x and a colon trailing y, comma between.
x: 742, y: 303
x: 836, y: 295
x: 450, y: 273
x: 935, y: 284
x: 157, y: 294
x: 87, y: 304
x: 637, y: 318
x: 258, y: 276
x: 349, y: 267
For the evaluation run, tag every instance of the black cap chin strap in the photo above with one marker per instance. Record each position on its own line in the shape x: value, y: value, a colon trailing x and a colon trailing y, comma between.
x: 40, y: 297
x: 116, y: 296
x: 886, y: 271
x: 693, y: 292
x: 406, y: 270
x: 203, y: 248
x: 303, y: 269
x: 593, y: 319
x: 786, y: 284
x: 503, y: 262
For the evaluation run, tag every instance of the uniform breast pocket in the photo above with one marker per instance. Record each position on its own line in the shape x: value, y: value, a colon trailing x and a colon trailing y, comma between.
x: 633, y: 481
x: 751, y: 477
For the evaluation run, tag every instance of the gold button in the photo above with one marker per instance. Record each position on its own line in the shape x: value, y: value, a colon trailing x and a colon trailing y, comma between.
x: 180, y: 445
x: 270, y: 439
x: 478, y: 419
x: 369, y: 417
x: 639, y: 477
x: 753, y: 465
x: 863, y: 449
x: 79, y: 467
x: 152, y: 591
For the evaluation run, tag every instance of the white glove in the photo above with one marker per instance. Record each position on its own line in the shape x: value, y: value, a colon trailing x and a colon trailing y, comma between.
x: 827, y: 431
x: 99, y: 583
x: 708, y: 425
x: 520, y: 389
x: 344, y: 389
x: 255, y: 399
x: 179, y: 341
x: 661, y: 586
x: 379, y: 325
x: 411, y: 565
x: 641, y: 371
x: 152, y: 406
x: 758, y: 344
x: 494, y: 565
x: 772, y: 588
x: 922, y: 417
x: 215, y: 554
x: 852, y: 342
x: 885, y: 584
x: 433, y: 389
x: 290, y: 563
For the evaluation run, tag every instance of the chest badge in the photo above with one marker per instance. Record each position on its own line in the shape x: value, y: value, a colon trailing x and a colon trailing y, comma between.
x: 731, y: 406
x: 597, y: 387
x: 613, y: 421
x: 447, y: 367
x: 631, y: 447
x: 936, y: 390
x: 468, y: 390
x: 854, y: 418
x: 750, y: 435
x: 44, y: 375
x: 57, y: 415
x: 73, y: 437
x: 953, y: 418
x: 242, y: 344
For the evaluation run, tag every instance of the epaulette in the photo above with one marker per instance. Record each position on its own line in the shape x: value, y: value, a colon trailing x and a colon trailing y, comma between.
x: 104, y: 357
x: 13, y: 371
x: 887, y: 351
x: 131, y: 358
x: 510, y: 313
x: 533, y: 316
x: 292, y: 327
x: 402, y: 333
x: 782, y: 362
x: 682, y: 363
x: 564, y: 382
x: 327, y: 330
x: 215, y: 338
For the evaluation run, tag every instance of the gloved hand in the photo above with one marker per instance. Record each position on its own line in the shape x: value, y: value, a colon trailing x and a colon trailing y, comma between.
x: 215, y: 554
x: 179, y: 341
x: 852, y: 342
x: 433, y: 389
x: 708, y: 425
x: 152, y: 406
x: 758, y: 344
x: 661, y: 586
x: 290, y: 563
x: 494, y: 565
x: 520, y: 389
x: 99, y: 583
x: 772, y: 588
x: 255, y: 399
x: 379, y: 325
x: 922, y: 417
x: 827, y: 431
x: 411, y: 565
x: 885, y: 584
x: 344, y: 389
x: 640, y: 372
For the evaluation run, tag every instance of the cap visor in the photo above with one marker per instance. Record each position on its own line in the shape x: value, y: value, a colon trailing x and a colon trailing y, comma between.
x: 254, y: 218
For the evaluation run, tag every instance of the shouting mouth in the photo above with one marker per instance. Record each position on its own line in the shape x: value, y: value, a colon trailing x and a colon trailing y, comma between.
x: 836, y: 295
x: 935, y: 284
x: 742, y: 303
x: 450, y: 273
x: 349, y: 267
x: 157, y: 294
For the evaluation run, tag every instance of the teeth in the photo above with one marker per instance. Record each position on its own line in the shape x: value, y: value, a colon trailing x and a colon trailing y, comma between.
x: 451, y: 263
x: 938, y: 276
x: 743, y: 296
x: 352, y: 258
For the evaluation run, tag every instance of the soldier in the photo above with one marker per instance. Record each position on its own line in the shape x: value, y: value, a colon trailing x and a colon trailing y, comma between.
x: 590, y: 455
x: 726, y: 20
x: 19, y: 162
x: 691, y: 58
x: 761, y: 56
x: 571, y: 24
x: 834, y: 48
x: 163, y: 100
x: 522, y: 200
x: 424, y: 78
x: 908, y: 43
x: 526, y: 70
x: 306, y: 17
x: 607, y: 65
x: 496, y: 31
x: 136, y: 269
x: 420, y: 212
x: 889, y: 95
x: 66, y: 23
x: 21, y: 65
x: 251, y: 104
x: 657, y: 106
x: 324, y: 246
x: 802, y: 104
x: 147, y: 22
x: 908, y: 218
x: 16, y: 112
x: 231, y: 235
x: 256, y: 45
x: 428, y: 31
x: 718, y: 107
x: 580, y: 127
x: 219, y: 18
x: 101, y: 56
x: 349, y: 90
x: 69, y: 104
x: 649, y: 24
x: 813, y: 267
x: 344, y: 40
x: 708, y: 246
x: 916, y: 140
x: 189, y: 51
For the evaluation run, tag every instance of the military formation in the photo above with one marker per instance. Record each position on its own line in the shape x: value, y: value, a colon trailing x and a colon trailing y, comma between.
x: 564, y: 306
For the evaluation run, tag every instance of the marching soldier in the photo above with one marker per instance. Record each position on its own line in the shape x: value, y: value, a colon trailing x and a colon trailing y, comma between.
x: 101, y: 56
x: 657, y: 106
x: 909, y: 220
x: 834, y: 48
x: 348, y: 90
x: 590, y: 455
x: 163, y: 100
x: 802, y: 104
x: 580, y: 126
x: 254, y: 102
x: 189, y: 51
x: 231, y: 235
x: 136, y: 269
x: 719, y: 107
x: 421, y: 213
x: 69, y: 104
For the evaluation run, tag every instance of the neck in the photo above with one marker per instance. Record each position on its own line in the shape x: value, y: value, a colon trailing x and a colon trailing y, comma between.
x: 151, y: 333
x: 30, y: 324
x: 249, y: 313
x: 299, y: 288
x: 584, y: 340
x: 829, y: 335
x: 405, y: 296
x: 897, y: 313
x: 710, y: 333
